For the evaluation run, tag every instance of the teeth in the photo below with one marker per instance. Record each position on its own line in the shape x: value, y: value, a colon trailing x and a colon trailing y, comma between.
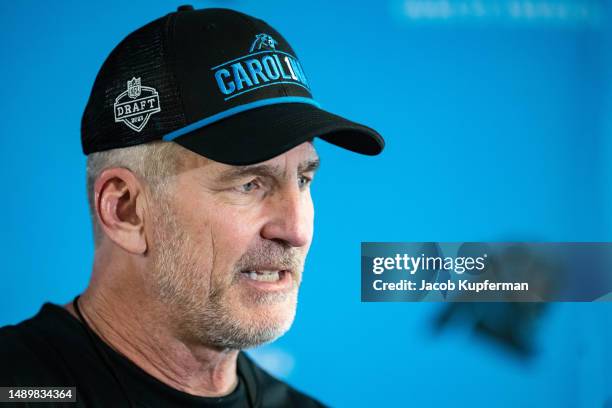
x: 263, y: 276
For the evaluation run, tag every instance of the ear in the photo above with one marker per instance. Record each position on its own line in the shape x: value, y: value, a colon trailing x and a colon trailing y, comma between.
x: 119, y: 198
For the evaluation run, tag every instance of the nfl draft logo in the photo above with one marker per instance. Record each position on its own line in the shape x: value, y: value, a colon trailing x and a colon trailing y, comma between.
x: 134, y: 88
x: 135, y: 106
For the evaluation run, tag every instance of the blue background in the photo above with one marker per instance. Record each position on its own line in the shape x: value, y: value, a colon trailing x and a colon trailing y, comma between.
x: 498, y: 126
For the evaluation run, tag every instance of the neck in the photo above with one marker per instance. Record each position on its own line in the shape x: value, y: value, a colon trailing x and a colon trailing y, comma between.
x: 140, y: 330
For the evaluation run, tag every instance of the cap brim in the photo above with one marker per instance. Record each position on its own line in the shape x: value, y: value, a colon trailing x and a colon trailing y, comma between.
x: 260, y: 134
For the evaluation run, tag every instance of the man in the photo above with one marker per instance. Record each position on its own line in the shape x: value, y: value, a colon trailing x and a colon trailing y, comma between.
x: 199, y: 134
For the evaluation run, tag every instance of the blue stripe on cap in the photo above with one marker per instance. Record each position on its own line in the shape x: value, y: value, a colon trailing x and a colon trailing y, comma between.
x: 237, y: 109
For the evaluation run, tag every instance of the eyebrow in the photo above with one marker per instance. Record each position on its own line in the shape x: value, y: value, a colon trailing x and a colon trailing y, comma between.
x: 309, y: 165
x: 266, y: 170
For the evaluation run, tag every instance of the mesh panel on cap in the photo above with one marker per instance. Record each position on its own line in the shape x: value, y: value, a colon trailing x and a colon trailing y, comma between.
x: 142, y: 54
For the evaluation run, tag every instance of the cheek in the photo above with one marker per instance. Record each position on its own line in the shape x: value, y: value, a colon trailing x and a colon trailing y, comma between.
x: 194, y: 229
x: 232, y: 232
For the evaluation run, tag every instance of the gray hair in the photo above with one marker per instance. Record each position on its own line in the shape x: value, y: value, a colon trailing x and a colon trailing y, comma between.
x: 150, y: 162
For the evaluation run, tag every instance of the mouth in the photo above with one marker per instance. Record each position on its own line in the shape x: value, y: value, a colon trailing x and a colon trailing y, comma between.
x: 268, y: 279
x: 265, y: 276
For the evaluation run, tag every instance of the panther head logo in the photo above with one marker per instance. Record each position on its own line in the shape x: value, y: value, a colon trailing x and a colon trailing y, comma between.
x: 263, y: 41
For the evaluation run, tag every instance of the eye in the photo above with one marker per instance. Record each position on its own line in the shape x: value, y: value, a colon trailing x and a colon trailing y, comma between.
x: 303, y: 181
x: 249, y: 187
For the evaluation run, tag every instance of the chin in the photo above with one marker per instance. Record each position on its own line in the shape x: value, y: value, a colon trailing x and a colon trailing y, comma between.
x: 276, y: 315
x: 245, y: 318
x: 266, y: 323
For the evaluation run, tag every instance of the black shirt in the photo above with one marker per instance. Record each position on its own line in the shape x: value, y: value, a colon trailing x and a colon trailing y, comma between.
x: 54, y: 349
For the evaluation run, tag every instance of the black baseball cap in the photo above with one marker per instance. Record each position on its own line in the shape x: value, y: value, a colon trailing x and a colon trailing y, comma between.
x: 216, y: 81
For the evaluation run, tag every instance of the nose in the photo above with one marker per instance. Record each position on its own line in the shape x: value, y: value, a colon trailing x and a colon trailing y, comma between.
x: 290, y: 218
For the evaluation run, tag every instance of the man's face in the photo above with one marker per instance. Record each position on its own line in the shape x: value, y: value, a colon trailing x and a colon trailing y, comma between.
x: 228, y: 247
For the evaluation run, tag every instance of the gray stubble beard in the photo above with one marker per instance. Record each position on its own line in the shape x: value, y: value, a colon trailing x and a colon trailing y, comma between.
x: 203, y: 315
